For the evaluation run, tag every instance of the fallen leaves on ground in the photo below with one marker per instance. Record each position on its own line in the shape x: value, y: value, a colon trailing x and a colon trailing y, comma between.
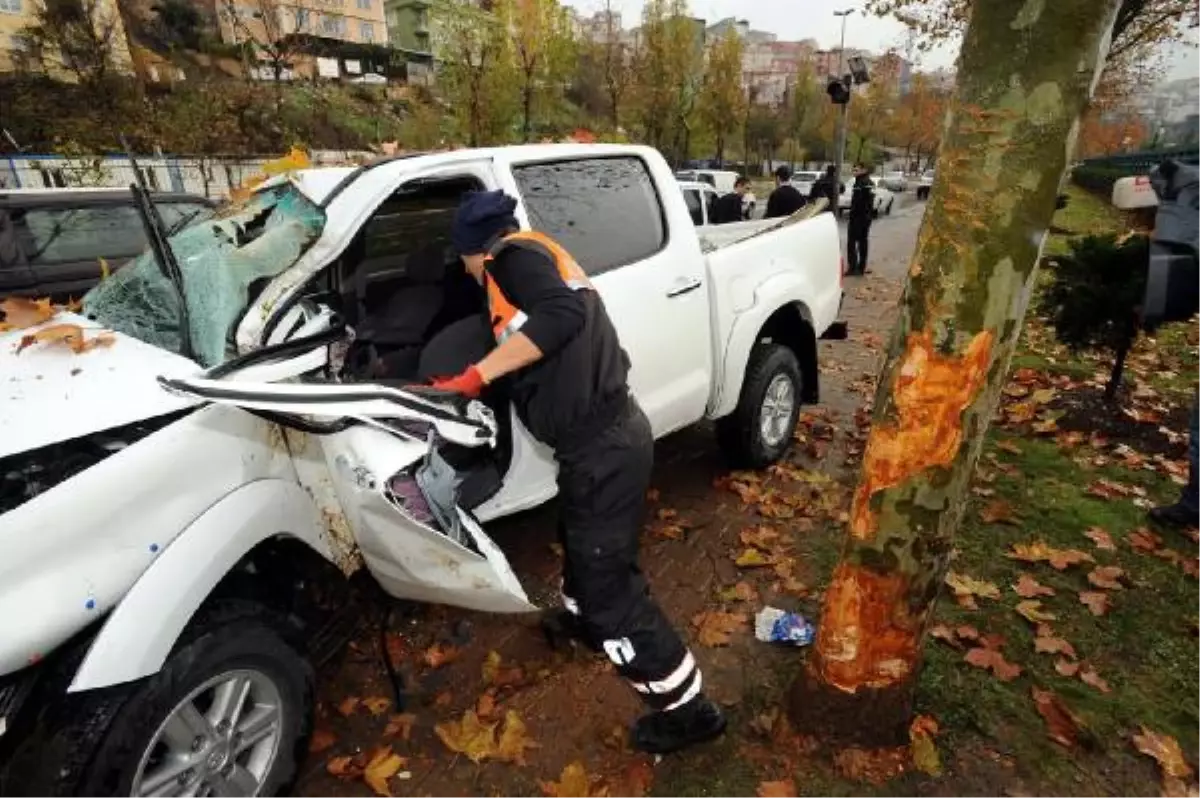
x: 998, y: 511
x: 440, y: 654
x: 761, y: 537
x: 377, y: 704
x: 1096, y: 601
x: 966, y: 588
x: 1089, y: 676
x: 992, y: 659
x: 784, y: 788
x: 1066, y: 668
x: 1106, y: 577
x: 1061, y: 724
x: 1038, y: 551
x: 495, y: 675
x: 1032, y: 611
x: 573, y: 783
x: 872, y: 765
x: 1028, y: 587
x: 742, y: 591
x: 322, y: 740
x: 71, y: 336
x: 1110, y: 489
x: 21, y: 312
x: 395, y: 647
x: 348, y: 705
x: 478, y: 740
x: 1165, y: 750
x: 1008, y: 446
x: 400, y: 726
x: 385, y: 764
x: 954, y: 637
x: 1142, y: 539
x: 714, y: 627
x: 920, y: 742
x: 751, y: 558
x: 1049, y: 644
x: 1100, y: 537
x: 343, y: 767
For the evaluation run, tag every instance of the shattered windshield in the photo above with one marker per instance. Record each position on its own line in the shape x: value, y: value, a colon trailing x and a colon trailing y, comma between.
x: 222, y: 259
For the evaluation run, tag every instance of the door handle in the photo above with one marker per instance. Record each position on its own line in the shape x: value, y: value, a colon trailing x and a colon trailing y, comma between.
x: 684, y: 285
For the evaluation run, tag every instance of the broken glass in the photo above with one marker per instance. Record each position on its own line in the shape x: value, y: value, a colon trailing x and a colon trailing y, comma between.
x: 222, y: 259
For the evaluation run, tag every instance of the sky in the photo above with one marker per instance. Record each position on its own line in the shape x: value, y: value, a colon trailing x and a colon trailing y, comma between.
x: 814, y: 19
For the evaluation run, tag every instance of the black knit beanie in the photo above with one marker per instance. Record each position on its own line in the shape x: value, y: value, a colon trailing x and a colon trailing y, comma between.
x: 480, y: 217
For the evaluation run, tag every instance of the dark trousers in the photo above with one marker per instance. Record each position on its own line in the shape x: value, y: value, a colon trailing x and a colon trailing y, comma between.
x: 1189, y: 497
x: 603, y: 491
x: 857, y: 232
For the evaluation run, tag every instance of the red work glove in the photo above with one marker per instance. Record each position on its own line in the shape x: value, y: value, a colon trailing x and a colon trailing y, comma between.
x: 469, y: 383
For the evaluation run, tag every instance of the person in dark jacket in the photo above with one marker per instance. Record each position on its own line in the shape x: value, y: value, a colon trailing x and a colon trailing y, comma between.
x: 858, y: 225
x: 567, y: 377
x: 827, y: 186
x: 785, y: 199
x: 731, y: 207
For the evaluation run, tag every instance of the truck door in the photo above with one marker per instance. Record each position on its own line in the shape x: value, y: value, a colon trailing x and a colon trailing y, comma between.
x: 608, y: 213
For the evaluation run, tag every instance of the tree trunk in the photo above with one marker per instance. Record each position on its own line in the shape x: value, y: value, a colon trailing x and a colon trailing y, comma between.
x: 1118, y: 367
x: 1025, y: 73
x: 526, y: 107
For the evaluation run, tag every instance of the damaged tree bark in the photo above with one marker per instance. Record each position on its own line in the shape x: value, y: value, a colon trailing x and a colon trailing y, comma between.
x: 1026, y: 72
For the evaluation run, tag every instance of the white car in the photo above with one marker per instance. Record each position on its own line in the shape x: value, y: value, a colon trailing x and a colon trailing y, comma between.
x: 803, y: 182
x: 720, y: 179
x: 884, y: 199
x: 175, y: 502
x: 925, y: 184
x: 895, y: 181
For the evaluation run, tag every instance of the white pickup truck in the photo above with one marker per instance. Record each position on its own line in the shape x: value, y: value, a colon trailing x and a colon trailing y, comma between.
x: 170, y: 502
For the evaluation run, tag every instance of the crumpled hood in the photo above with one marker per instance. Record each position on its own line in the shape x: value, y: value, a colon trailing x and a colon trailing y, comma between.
x: 50, y: 394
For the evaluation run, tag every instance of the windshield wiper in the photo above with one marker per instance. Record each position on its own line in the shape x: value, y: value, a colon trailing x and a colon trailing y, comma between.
x: 164, y: 256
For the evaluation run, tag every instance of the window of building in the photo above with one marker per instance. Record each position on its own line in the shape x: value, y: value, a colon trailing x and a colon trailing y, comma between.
x: 10, y: 7
x: 366, y: 31
x: 364, y: 5
x: 333, y: 25
x: 604, y: 211
x: 303, y: 18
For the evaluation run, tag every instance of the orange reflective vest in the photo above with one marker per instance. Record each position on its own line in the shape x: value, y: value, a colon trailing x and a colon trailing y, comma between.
x: 506, y: 317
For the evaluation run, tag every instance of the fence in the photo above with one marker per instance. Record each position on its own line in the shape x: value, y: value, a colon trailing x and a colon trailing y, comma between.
x: 211, y: 177
x: 1098, y: 174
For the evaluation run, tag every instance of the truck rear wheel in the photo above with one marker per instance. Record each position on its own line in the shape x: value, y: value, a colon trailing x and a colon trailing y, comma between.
x: 759, y: 430
x: 229, y: 713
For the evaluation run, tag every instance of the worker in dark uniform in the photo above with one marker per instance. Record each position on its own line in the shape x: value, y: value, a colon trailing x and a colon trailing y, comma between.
x: 828, y: 188
x: 786, y: 199
x: 566, y: 373
x: 731, y: 207
x: 858, y: 223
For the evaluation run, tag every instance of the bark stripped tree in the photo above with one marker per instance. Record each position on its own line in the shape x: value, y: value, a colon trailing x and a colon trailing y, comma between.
x: 1025, y: 74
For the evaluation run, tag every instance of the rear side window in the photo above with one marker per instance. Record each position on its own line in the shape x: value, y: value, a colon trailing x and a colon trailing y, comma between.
x: 605, y: 211
x: 81, y: 233
x: 692, y: 198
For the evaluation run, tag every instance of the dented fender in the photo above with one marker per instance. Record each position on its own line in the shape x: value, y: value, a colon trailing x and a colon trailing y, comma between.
x: 138, y: 636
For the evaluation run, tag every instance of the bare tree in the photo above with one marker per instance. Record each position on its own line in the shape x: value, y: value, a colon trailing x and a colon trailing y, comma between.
x: 270, y: 26
x: 82, y: 35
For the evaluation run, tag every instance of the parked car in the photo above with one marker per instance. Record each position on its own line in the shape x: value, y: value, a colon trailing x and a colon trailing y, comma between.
x: 163, y: 548
x: 895, y: 181
x: 699, y: 198
x: 720, y: 179
x: 803, y: 182
x: 884, y: 199
x: 925, y: 184
x: 62, y: 234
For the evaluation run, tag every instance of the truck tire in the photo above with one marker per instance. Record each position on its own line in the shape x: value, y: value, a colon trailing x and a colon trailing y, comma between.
x: 234, y: 686
x: 759, y: 430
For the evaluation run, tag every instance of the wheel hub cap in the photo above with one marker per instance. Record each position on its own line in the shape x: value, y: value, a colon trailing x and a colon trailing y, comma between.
x: 221, y: 739
x: 779, y: 403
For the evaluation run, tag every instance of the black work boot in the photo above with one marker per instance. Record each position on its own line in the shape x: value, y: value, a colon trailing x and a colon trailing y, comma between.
x: 563, y: 629
x: 697, y: 721
x: 1177, y: 515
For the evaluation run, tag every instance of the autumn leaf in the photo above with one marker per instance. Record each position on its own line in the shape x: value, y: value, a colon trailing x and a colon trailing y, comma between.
x: 1028, y: 587
x: 714, y: 627
x: 998, y: 512
x: 944, y: 633
x: 1096, y: 601
x: 491, y: 667
x: 742, y: 591
x: 1100, y: 537
x: 348, y: 705
x: 920, y: 740
x: 874, y: 765
x: 966, y: 588
x: 395, y: 648
x: 322, y: 740
x: 382, y: 767
x: 440, y: 654
x: 70, y: 336
x: 1108, y: 489
x: 991, y: 659
x: 343, y: 767
x: 20, y: 313
x: 1089, y: 676
x: 486, y: 705
x: 1066, y: 668
x: 967, y: 632
x: 468, y: 736
x: 1040, y: 552
x: 400, y: 725
x: 784, y: 788
x: 573, y: 783
x: 762, y: 537
x: 1142, y: 539
x: 513, y: 740
x: 1165, y: 750
x: 1053, y: 645
x: 1106, y: 576
x: 1032, y: 611
x: 377, y: 705
x: 1008, y: 446
x: 751, y: 558
x: 1061, y: 724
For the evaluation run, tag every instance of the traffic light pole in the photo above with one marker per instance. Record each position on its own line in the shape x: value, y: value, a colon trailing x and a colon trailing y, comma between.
x: 843, y: 128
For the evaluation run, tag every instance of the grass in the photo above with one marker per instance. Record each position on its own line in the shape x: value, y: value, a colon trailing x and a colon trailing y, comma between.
x: 1085, y: 214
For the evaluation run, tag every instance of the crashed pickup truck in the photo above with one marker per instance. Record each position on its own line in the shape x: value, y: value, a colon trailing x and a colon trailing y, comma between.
x: 170, y: 499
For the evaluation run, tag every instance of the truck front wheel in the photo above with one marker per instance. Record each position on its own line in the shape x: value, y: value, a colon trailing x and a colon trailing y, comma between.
x: 229, y: 713
x: 759, y: 430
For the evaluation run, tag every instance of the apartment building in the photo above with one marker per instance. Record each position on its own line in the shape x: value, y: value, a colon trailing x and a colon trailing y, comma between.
x: 16, y: 15
x: 354, y: 21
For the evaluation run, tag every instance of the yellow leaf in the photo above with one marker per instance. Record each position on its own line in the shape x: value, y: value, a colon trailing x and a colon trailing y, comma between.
x: 1032, y: 611
x: 377, y: 705
x: 573, y: 783
x: 751, y: 558
x: 105, y: 271
x: 714, y: 628
x: 925, y: 754
x: 513, y: 740
x: 477, y: 741
x: 382, y: 767
x: 491, y: 667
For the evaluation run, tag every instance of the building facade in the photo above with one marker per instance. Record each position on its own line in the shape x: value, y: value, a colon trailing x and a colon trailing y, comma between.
x: 356, y: 21
x: 17, y: 53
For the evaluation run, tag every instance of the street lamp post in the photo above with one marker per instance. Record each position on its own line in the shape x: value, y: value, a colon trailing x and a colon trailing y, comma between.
x: 843, y: 117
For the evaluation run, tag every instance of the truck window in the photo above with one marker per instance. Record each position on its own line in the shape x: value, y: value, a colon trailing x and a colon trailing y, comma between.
x: 81, y: 233
x: 605, y: 211
x: 692, y: 198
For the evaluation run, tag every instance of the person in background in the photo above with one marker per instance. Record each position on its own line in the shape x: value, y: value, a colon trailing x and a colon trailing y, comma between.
x: 567, y: 375
x: 785, y: 199
x: 858, y: 225
x: 828, y: 187
x: 1185, y: 513
x: 730, y: 207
